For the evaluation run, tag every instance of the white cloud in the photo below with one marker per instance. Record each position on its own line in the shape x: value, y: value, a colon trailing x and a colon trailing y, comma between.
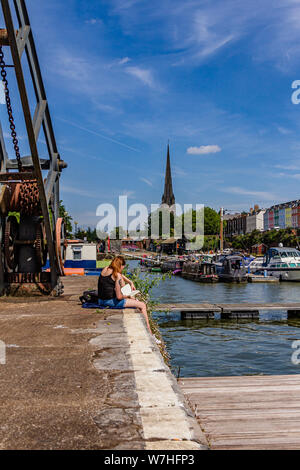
x: 178, y: 171
x: 79, y: 192
x: 123, y: 61
x: 146, y: 181
x: 203, y: 149
x: 246, y: 192
x: 288, y: 175
x: 90, y: 131
x: 196, y: 30
x: 94, y: 21
x: 128, y: 193
x: 215, y: 46
x: 107, y: 83
x: 142, y: 74
x: 288, y: 167
x: 284, y: 131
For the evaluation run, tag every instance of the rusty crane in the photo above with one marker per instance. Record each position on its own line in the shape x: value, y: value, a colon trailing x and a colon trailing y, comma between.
x: 31, y: 230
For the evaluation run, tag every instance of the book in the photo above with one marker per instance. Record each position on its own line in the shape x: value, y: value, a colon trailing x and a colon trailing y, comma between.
x: 126, y: 290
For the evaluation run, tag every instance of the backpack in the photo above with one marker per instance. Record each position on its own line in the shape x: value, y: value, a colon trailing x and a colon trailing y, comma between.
x: 89, y: 296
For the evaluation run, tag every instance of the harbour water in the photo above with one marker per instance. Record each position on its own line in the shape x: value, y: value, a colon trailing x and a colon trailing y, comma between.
x: 210, y: 348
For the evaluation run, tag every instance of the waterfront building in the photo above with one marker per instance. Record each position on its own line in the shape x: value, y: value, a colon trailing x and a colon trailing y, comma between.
x: 236, y: 225
x: 255, y: 221
x: 276, y: 216
x: 81, y: 254
x: 259, y: 249
x: 282, y: 217
x: 288, y: 217
x: 295, y: 209
x: 266, y: 220
x: 271, y: 219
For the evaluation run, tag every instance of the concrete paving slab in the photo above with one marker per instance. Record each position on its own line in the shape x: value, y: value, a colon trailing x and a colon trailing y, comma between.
x: 113, y: 359
x: 174, y: 445
x: 114, y: 340
x: 152, y: 399
x: 163, y: 423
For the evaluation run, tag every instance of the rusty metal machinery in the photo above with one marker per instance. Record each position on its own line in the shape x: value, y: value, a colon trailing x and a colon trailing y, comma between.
x: 31, y: 230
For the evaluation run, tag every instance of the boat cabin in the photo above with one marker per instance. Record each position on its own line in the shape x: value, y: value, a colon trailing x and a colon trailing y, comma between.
x: 233, y: 269
x: 281, y: 257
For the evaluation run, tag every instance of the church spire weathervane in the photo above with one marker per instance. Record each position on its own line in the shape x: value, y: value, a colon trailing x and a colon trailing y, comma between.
x: 168, y: 196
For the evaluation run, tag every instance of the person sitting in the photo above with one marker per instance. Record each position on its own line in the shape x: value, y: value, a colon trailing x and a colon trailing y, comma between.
x: 110, y: 283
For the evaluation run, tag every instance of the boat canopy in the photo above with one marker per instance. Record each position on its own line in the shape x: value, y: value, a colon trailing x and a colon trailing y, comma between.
x: 281, y: 252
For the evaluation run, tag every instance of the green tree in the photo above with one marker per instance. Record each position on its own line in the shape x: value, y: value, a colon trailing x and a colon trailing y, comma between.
x: 119, y: 232
x: 145, y: 282
x: 67, y: 218
x: 90, y: 234
x: 212, y: 221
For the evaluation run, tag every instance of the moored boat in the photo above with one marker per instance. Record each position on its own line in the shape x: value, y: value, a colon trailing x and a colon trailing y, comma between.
x: 283, y: 263
x: 171, y: 265
x: 233, y: 269
x: 256, y: 264
x: 199, y: 271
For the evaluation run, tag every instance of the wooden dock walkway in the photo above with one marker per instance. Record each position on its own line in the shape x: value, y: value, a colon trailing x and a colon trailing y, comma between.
x: 242, y: 310
x: 259, y: 412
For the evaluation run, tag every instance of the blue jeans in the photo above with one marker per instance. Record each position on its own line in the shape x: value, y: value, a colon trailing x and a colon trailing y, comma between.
x: 112, y: 303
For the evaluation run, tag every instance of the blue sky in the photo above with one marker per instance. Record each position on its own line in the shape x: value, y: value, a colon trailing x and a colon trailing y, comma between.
x: 124, y: 76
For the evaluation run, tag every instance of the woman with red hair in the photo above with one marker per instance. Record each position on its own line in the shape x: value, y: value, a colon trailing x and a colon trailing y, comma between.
x: 110, y: 284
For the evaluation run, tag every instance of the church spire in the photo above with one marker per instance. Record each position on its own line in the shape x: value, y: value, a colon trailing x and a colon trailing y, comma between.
x: 168, y: 196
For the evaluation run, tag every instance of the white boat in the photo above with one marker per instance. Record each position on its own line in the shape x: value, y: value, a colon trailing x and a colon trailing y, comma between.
x: 256, y: 264
x: 283, y: 263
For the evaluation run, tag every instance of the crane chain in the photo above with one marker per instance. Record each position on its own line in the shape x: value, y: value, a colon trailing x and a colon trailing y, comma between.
x: 29, y: 198
x: 9, y: 111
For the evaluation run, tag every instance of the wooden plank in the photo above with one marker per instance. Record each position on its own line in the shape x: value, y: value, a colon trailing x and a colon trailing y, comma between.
x: 218, y: 307
x: 259, y: 412
x: 248, y: 389
x: 224, y: 414
x: 237, y: 378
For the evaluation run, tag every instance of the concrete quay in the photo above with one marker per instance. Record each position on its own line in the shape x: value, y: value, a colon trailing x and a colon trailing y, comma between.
x: 87, y: 379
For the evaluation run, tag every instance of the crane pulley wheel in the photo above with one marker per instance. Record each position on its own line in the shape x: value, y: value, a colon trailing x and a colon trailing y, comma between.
x: 61, y: 244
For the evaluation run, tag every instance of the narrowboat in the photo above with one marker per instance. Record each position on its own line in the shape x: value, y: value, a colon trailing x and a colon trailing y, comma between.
x: 199, y: 271
x: 171, y: 265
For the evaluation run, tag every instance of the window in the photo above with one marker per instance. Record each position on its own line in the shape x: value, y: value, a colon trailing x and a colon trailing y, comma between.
x: 77, y: 253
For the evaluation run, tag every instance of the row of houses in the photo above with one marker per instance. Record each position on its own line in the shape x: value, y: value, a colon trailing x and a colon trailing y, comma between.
x: 276, y: 217
x: 283, y: 216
